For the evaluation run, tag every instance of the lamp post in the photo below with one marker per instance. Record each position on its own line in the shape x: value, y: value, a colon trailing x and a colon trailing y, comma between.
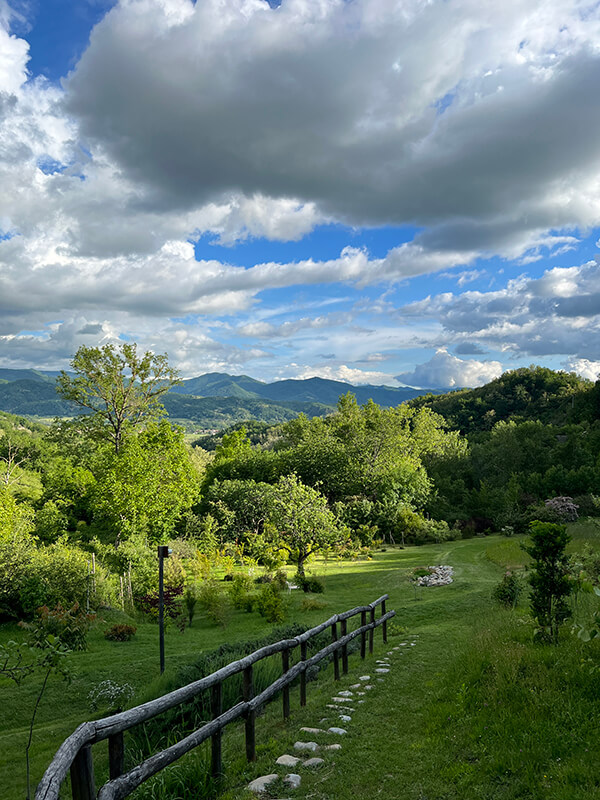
x: 163, y: 552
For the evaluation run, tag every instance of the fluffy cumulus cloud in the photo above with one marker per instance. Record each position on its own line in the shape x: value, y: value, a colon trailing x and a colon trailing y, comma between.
x: 584, y: 367
x: 558, y: 313
x: 445, y: 371
x: 346, y: 374
x: 473, y: 122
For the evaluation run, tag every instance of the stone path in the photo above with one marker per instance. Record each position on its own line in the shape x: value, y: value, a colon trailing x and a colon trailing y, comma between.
x: 316, y: 743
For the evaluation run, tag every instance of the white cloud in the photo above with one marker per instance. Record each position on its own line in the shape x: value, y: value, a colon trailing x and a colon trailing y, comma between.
x: 346, y: 374
x: 444, y: 370
x: 584, y: 367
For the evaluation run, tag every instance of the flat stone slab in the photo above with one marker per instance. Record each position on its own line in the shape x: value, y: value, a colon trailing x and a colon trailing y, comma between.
x: 345, y: 693
x: 313, y: 762
x: 340, y: 700
x: 360, y: 694
x: 381, y: 670
x: 355, y: 686
x: 312, y: 730
x: 287, y: 761
x: 361, y: 701
x: 368, y: 686
x: 345, y: 718
x: 365, y: 678
x: 293, y: 780
x: 380, y: 680
x: 333, y: 747
x: 259, y: 785
x: 339, y: 731
x: 341, y: 708
x: 306, y: 746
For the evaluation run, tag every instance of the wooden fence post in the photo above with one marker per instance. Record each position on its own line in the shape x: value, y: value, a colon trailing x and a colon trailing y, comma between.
x: 285, y: 663
x: 216, y: 702
x: 371, y: 632
x: 82, y: 775
x: 248, y: 689
x: 303, y: 649
x: 343, y: 632
x: 116, y: 755
x: 363, y: 640
x: 384, y: 623
x: 336, y: 657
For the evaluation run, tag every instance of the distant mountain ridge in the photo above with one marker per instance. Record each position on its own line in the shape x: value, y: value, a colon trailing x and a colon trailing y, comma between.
x: 213, y: 400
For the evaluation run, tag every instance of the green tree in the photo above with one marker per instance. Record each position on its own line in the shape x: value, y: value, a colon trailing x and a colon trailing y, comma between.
x: 301, y: 522
x: 146, y: 486
x: 549, y: 578
x: 119, y: 388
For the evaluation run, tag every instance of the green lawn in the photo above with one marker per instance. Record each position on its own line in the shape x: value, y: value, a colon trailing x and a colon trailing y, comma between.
x: 473, y: 710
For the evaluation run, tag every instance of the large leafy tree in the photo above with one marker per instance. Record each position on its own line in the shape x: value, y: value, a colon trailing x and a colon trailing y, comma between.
x: 145, y: 487
x: 301, y: 521
x: 120, y: 388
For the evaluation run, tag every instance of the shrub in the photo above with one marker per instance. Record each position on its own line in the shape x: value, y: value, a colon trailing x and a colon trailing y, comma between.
x: 149, y: 603
x: 549, y: 579
x: 588, y: 504
x: 120, y: 633
x: 508, y: 591
x: 310, y: 584
x: 564, y: 509
x: 312, y: 604
x: 69, y: 625
x: 240, y: 592
x: 212, y: 600
x: 110, y: 695
x: 269, y: 604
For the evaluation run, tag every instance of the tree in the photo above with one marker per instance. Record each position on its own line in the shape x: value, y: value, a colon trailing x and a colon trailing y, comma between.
x: 146, y: 486
x: 120, y: 388
x: 301, y: 521
x: 549, y: 579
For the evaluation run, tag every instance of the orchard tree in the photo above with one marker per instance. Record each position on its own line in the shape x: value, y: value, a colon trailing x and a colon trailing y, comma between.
x: 120, y: 388
x: 301, y: 521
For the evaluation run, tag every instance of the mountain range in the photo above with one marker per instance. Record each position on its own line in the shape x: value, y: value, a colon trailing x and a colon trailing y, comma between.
x: 213, y: 400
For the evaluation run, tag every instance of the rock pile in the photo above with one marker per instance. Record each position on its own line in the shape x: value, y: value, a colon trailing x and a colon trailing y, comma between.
x: 438, y: 576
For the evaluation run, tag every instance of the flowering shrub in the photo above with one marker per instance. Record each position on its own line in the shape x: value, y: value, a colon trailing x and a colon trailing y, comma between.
x: 563, y: 508
x: 110, y: 695
x: 69, y: 625
x: 120, y: 633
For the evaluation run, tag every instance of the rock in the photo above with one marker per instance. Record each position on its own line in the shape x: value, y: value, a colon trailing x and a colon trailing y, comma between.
x: 438, y: 576
x: 365, y: 678
x: 333, y: 747
x: 287, y: 761
x: 381, y: 680
x: 361, y: 701
x: 341, y: 708
x: 339, y: 700
x: 355, y: 686
x: 345, y: 693
x: 292, y: 780
x: 306, y: 746
x: 338, y: 731
x: 345, y: 718
x: 259, y: 785
x: 313, y: 762
x: 368, y: 686
x: 360, y: 694
x: 381, y: 670
x: 312, y: 730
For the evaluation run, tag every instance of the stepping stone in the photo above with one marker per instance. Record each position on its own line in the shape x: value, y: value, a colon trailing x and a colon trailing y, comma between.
x: 332, y: 747
x: 365, y: 678
x: 381, y: 670
x: 287, y: 761
x: 341, y: 708
x: 390, y: 652
x: 313, y: 762
x: 259, y: 785
x: 412, y: 644
x: 292, y: 780
x: 309, y: 746
x: 380, y: 680
x: 403, y: 644
x: 361, y: 701
x: 345, y: 693
x: 323, y: 720
x: 312, y: 730
x: 339, y: 700
x: 356, y: 686
x: 368, y: 686
x: 345, y: 718
x: 395, y: 648
x: 339, y: 731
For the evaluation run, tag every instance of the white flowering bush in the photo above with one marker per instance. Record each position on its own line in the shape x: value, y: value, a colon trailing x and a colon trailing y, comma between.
x: 110, y: 695
x: 564, y: 508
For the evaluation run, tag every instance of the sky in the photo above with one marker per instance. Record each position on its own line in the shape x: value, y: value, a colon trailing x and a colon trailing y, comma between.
x: 376, y: 191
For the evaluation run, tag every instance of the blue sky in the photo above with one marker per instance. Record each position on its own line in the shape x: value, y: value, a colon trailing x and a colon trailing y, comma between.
x: 376, y: 191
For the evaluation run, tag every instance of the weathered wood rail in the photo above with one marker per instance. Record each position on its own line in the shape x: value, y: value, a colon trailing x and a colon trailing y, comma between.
x: 75, y: 753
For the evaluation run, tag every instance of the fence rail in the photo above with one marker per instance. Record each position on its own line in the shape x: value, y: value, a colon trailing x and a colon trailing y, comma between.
x: 75, y: 753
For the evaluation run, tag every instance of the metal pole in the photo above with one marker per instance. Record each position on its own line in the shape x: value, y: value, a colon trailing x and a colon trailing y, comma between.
x: 161, y: 608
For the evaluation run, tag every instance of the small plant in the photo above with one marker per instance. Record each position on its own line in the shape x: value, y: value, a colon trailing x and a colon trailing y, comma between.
x: 312, y: 604
x: 549, y: 579
x: 239, y: 592
x: 189, y: 600
x: 70, y: 625
x: 120, y: 633
x: 508, y: 591
x: 310, y: 584
x: 110, y: 696
x: 269, y: 604
x: 212, y: 600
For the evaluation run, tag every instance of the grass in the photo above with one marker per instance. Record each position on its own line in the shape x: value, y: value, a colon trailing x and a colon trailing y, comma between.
x: 474, y: 710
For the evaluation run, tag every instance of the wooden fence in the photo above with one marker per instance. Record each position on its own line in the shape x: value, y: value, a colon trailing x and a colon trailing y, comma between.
x: 75, y: 753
